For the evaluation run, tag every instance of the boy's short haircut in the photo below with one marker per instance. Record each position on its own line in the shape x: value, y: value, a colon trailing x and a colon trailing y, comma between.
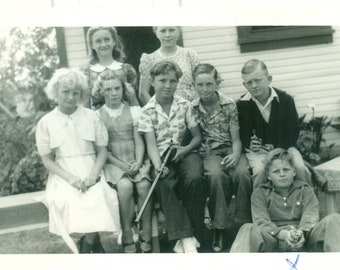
x: 278, y: 154
x: 164, y: 67
x: 252, y: 64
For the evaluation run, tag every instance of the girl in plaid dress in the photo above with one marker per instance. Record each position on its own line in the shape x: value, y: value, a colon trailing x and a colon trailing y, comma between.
x: 126, y: 169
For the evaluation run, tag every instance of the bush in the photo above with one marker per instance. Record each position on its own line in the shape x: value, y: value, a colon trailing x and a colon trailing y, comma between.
x: 22, y: 170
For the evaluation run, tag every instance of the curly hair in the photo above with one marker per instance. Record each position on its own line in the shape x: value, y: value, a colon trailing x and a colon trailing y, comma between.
x: 73, y: 78
x: 118, y: 50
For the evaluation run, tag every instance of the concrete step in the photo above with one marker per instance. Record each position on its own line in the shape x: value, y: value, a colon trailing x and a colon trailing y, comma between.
x: 21, y: 210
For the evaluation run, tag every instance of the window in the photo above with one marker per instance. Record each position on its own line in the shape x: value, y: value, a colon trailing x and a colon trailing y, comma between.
x: 260, y: 38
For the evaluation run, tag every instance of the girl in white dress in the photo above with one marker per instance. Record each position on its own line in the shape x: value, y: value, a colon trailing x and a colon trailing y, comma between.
x: 72, y: 143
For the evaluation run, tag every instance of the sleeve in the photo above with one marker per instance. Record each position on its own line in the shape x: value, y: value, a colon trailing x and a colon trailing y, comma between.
x: 101, y: 135
x: 191, y: 117
x: 135, y: 112
x: 233, y: 116
x: 244, y: 123
x: 310, y: 215
x: 292, y: 122
x: 42, y: 138
x: 145, y: 122
x: 145, y: 66
x: 131, y: 75
x: 193, y: 59
x: 260, y: 214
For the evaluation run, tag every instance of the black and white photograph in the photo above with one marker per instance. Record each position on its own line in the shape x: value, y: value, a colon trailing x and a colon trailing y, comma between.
x: 132, y: 140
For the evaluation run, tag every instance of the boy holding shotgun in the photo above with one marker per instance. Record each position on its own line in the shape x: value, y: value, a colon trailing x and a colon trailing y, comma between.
x: 164, y: 121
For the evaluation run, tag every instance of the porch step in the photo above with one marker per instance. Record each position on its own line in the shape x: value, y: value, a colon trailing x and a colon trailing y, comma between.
x: 22, y: 210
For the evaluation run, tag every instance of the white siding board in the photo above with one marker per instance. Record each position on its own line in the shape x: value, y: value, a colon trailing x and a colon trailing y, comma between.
x: 75, y: 46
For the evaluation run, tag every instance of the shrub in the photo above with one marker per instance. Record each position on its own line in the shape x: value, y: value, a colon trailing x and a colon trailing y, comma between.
x: 22, y: 170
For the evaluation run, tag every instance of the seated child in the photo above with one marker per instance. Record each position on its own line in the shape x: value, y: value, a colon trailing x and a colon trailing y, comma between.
x: 164, y: 121
x: 126, y: 167
x: 221, y: 148
x: 286, y: 214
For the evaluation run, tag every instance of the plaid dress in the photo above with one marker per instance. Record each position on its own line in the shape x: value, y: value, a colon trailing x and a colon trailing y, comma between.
x: 122, y: 145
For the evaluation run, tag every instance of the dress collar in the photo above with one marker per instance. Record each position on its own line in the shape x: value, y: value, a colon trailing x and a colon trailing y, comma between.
x: 113, y: 66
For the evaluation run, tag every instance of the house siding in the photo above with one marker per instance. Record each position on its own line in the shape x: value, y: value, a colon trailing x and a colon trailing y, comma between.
x: 311, y: 74
x: 75, y: 46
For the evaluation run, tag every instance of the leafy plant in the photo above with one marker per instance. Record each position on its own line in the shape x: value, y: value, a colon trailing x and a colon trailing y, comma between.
x: 311, y: 137
x: 28, y: 57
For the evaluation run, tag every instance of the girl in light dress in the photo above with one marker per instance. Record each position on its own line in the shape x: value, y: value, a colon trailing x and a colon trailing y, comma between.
x: 186, y: 58
x: 71, y: 141
x: 107, y: 55
x: 126, y: 169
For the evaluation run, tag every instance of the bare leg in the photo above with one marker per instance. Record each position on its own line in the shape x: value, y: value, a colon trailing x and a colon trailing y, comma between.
x: 143, y: 188
x: 126, y: 208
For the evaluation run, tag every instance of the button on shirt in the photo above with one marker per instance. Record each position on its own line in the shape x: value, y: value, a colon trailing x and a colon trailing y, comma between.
x: 168, y: 129
x: 216, y: 126
x: 264, y: 110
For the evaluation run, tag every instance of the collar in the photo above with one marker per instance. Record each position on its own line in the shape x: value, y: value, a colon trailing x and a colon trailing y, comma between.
x: 273, y: 94
x: 222, y: 99
x: 61, y: 119
x: 113, y: 112
x: 153, y: 101
x: 100, y: 68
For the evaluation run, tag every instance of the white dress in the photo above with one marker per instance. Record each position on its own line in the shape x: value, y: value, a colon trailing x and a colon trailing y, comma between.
x: 73, y: 138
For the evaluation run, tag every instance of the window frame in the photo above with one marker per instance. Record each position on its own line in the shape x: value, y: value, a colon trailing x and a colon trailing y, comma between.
x: 278, y: 37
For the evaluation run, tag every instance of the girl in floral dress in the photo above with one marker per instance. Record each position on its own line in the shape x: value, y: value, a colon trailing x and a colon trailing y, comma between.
x: 169, y: 50
x: 107, y: 55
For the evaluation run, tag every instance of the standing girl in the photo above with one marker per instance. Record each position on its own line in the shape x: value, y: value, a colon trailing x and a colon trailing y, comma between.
x: 126, y: 169
x: 106, y: 55
x: 185, y: 58
x: 72, y: 143
x: 226, y: 170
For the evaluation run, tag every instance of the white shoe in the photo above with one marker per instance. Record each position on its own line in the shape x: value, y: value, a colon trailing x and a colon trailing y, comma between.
x: 187, y: 245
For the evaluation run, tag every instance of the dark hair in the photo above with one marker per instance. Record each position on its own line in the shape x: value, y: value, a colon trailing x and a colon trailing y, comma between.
x: 118, y: 50
x: 206, y: 68
x: 252, y: 64
x: 109, y: 75
x: 278, y: 154
x: 164, y: 67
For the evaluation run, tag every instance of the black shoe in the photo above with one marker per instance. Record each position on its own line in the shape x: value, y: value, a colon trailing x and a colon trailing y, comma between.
x: 97, y: 246
x: 218, y: 244
x: 84, y: 246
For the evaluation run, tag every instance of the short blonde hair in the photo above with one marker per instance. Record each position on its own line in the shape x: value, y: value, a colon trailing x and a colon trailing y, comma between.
x: 72, y: 77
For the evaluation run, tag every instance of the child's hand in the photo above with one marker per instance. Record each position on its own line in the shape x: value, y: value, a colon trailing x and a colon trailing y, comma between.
x: 255, y: 144
x: 164, y: 173
x: 295, y: 238
x: 181, y: 152
x: 134, y: 168
x: 77, y: 183
x: 90, y: 180
x: 230, y: 161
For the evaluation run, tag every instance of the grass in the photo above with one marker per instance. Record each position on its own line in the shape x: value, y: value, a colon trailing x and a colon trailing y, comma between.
x: 41, y: 241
